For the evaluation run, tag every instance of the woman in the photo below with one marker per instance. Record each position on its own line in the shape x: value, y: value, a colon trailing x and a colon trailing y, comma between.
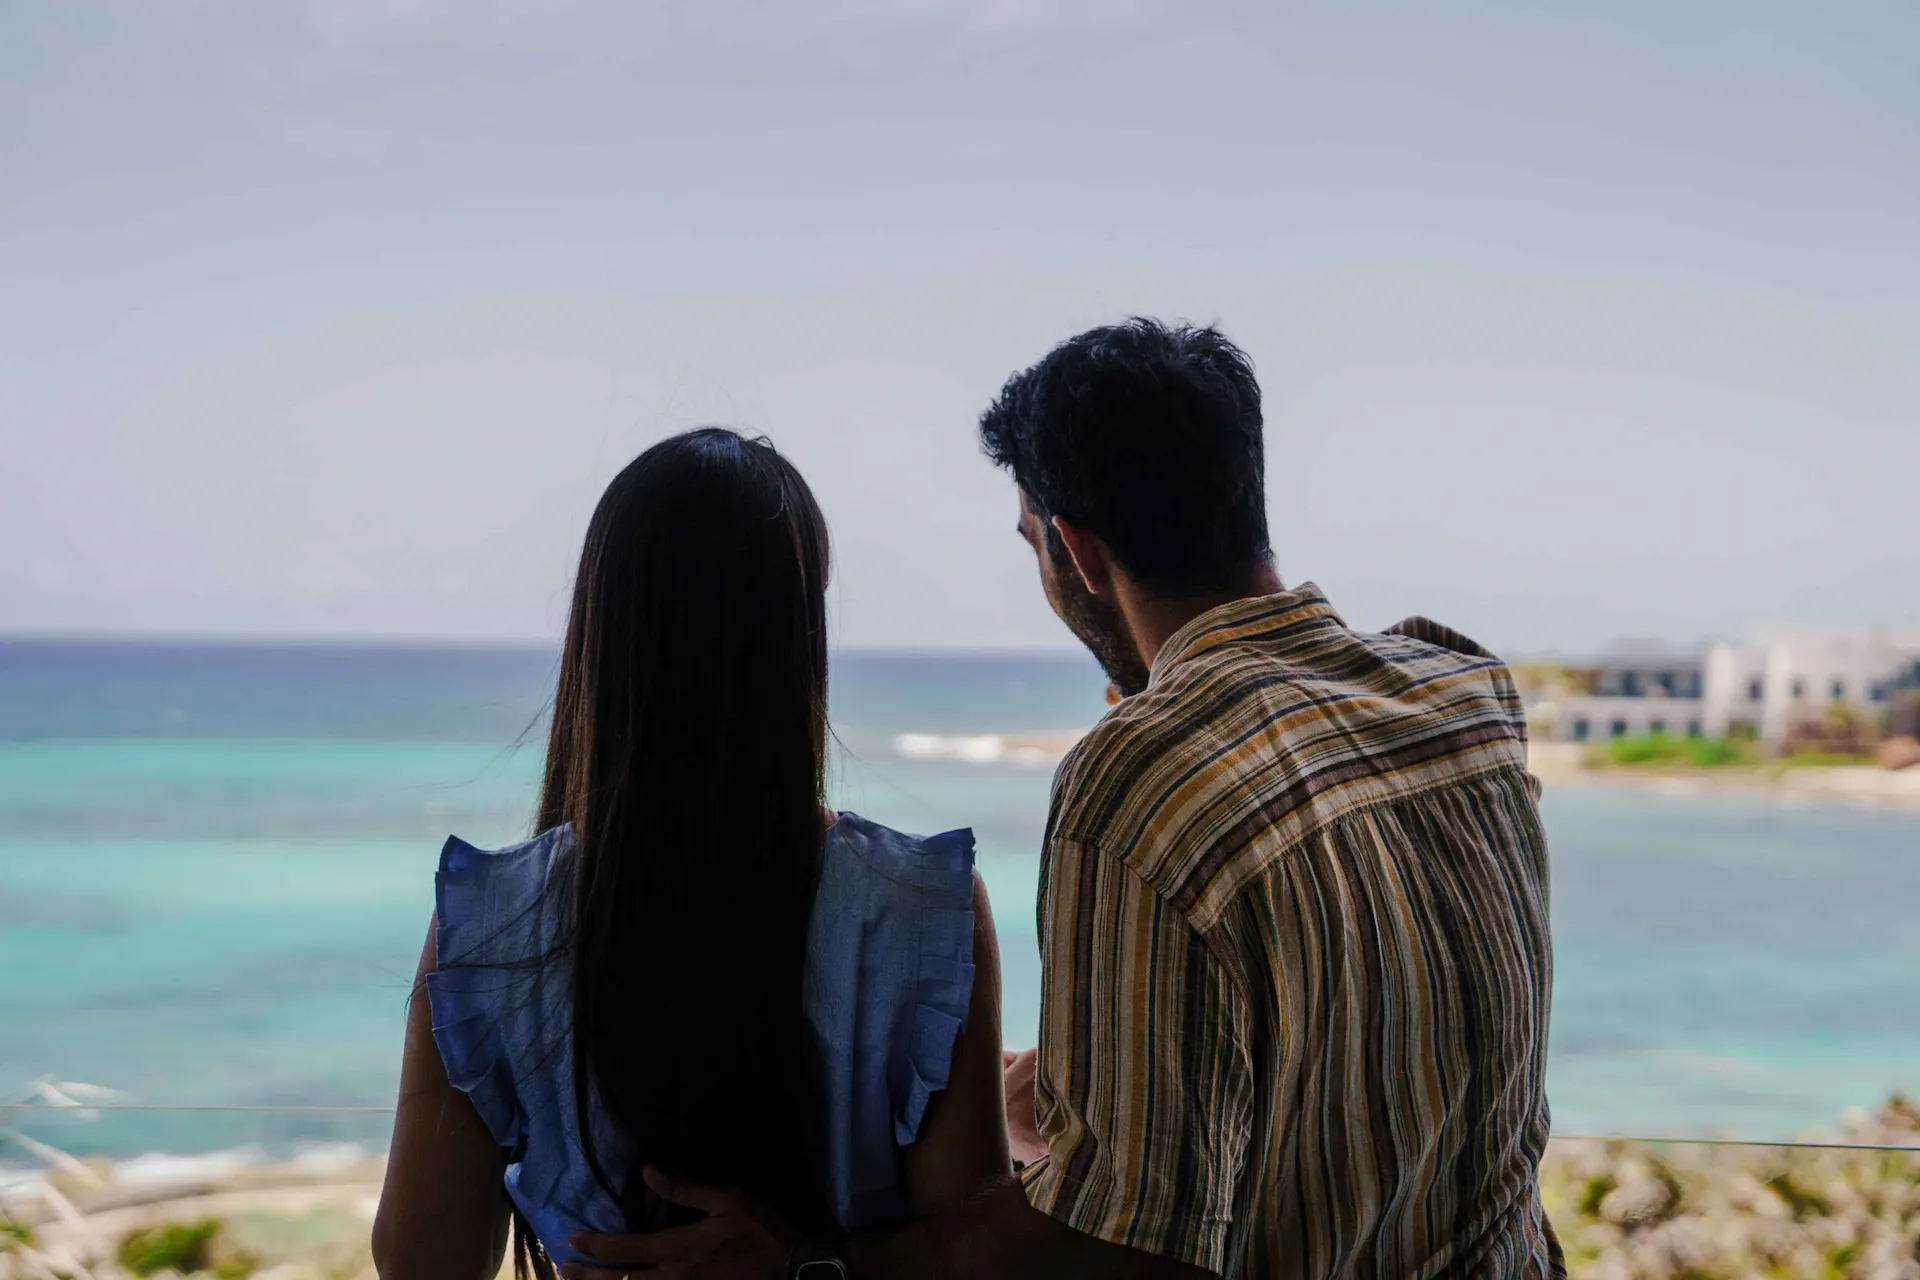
x: 694, y: 965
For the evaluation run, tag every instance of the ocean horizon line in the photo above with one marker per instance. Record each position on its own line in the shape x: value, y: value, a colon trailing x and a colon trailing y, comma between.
x: 309, y: 643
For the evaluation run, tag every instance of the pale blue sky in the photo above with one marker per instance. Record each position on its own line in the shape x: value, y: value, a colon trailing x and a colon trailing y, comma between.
x: 331, y: 317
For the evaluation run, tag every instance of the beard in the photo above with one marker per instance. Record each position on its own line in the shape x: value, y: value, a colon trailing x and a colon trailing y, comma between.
x: 1097, y: 624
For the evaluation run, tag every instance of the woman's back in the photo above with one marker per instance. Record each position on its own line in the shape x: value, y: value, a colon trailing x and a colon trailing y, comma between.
x: 682, y: 957
x: 888, y: 979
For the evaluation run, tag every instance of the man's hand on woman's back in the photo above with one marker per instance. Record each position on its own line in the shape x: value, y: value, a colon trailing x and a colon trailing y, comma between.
x: 739, y: 1239
x: 1023, y: 1137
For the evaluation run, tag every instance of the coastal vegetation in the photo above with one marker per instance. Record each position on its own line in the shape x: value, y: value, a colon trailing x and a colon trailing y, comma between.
x: 1624, y: 1209
x: 1665, y: 751
x: 1687, y: 1211
x: 180, y: 1247
x: 1670, y: 751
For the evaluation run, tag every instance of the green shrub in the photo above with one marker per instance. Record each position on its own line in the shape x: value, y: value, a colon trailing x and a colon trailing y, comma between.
x: 182, y: 1247
x: 1652, y: 748
x: 1708, y: 753
x: 1592, y: 1192
x: 1666, y: 748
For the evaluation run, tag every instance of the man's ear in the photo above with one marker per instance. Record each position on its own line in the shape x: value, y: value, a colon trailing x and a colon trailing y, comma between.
x: 1091, y: 559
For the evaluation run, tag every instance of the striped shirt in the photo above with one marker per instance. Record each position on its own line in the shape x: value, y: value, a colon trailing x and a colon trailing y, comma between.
x: 1293, y: 919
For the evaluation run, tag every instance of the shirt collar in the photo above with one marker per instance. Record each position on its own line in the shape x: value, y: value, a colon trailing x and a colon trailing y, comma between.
x: 1261, y: 616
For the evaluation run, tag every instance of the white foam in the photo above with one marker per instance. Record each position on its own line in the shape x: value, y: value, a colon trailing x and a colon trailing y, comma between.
x: 979, y: 748
x: 327, y: 1157
x: 1032, y: 750
x: 160, y: 1169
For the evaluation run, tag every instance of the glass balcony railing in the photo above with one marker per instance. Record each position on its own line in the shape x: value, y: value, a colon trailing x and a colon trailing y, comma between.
x: 235, y: 1195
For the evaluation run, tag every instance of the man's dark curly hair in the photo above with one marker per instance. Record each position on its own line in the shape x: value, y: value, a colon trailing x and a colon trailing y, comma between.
x: 1148, y: 436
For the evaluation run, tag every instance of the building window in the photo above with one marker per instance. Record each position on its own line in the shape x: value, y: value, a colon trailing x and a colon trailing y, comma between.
x: 1878, y: 693
x: 1581, y: 730
x: 1693, y: 728
x: 1799, y: 689
x: 1619, y: 728
x: 1756, y: 690
x: 1839, y: 690
x: 1658, y: 728
x: 1629, y: 684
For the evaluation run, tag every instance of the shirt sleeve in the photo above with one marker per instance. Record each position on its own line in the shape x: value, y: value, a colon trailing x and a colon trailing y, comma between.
x: 1143, y: 1091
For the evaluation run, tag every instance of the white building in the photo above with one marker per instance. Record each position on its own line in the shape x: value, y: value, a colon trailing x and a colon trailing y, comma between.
x: 1775, y: 682
x: 1594, y: 718
x: 1637, y: 690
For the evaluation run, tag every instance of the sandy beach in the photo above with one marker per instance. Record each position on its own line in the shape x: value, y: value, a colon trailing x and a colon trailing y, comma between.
x: 1565, y: 764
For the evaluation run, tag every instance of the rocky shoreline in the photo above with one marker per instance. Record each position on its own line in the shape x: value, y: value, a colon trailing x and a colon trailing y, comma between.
x: 228, y: 1217
x: 1625, y: 1210
x: 1641, y: 1211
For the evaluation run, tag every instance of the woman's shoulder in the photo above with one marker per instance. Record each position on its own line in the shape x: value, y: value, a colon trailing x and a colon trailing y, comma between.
x: 900, y: 863
x: 495, y: 905
x: 499, y: 915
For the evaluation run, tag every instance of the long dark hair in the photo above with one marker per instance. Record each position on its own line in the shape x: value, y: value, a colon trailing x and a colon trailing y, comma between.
x: 688, y: 752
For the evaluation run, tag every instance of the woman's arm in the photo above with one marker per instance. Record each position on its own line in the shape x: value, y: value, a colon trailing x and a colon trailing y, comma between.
x: 962, y: 1147
x: 443, y: 1211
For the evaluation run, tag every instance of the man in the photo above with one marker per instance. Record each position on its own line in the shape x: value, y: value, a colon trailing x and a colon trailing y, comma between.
x: 1293, y: 915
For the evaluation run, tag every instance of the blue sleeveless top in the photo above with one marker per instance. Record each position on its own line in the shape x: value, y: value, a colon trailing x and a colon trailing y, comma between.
x: 889, y: 978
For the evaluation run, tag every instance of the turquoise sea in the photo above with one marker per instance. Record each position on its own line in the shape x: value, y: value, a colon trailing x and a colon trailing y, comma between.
x: 216, y: 873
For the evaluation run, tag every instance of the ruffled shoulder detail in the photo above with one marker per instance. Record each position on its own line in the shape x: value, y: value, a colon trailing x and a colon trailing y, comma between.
x: 940, y: 870
x: 488, y: 919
